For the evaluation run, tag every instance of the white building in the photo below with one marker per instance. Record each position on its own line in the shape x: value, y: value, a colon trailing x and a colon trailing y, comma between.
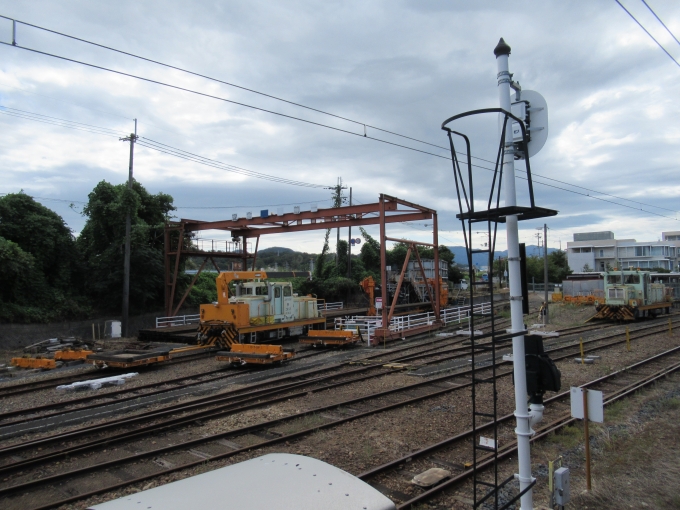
x: 599, y: 251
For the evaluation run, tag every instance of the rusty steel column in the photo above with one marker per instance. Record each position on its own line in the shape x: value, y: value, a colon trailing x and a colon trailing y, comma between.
x: 166, y: 280
x: 244, y: 254
x: 383, y: 267
x: 257, y: 245
x: 191, y: 286
x: 178, y: 256
x: 401, y: 280
x: 437, y: 290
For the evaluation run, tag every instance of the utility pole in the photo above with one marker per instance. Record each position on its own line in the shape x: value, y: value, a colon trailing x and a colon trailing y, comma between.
x: 523, y: 417
x: 128, y: 227
x: 545, y: 274
x: 349, y: 242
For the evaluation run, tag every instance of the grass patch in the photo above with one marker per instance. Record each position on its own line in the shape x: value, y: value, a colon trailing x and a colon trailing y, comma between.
x: 569, y: 437
x: 306, y: 422
x: 367, y: 452
x: 614, y: 411
x: 672, y: 404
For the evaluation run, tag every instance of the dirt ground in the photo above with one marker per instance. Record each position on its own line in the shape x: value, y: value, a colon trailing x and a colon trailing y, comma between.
x: 634, y: 453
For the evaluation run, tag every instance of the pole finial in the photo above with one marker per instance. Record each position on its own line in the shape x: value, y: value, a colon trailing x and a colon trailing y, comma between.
x: 502, y: 48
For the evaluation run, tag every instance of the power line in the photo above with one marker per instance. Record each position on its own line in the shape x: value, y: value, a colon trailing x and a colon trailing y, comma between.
x: 277, y: 113
x: 210, y: 163
x: 217, y: 80
x: 647, y: 32
x: 172, y: 151
x: 189, y: 156
x: 40, y: 115
x: 184, y: 206
x: 54, y: 123
x: 662, y: 23
x: 46, y: 198
x: 68, y: 102
x: 151, y: 144
x: 251, y: 206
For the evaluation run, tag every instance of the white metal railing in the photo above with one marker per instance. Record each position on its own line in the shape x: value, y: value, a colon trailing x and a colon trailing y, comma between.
x: 367, y: 325
x: 177, y: 320
x: 332, y: 306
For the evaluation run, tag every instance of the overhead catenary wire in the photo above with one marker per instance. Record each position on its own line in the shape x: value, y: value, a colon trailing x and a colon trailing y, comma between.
x: 662, y: 23
x: 649, y: 34
x: 354, y: 121
x: 277, y: 113
x: 312, y: 122
x: 169, y: 150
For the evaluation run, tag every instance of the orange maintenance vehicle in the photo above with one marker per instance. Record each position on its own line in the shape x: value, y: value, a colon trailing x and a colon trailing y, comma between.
x: 250, y: 311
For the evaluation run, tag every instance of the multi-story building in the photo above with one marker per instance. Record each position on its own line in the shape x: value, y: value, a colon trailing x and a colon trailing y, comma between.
x: 599, y: 251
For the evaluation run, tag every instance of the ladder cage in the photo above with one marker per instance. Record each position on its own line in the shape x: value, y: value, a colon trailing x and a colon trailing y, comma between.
x: 483, y: 350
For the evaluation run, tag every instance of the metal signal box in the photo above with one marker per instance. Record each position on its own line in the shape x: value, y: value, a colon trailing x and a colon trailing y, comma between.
x: 562, y: 486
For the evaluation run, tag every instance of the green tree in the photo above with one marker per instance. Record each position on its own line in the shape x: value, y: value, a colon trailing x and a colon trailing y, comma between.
x: 102, y: 244
x: 370, y: 255
x: 43, y: 234
x: 40, y: 271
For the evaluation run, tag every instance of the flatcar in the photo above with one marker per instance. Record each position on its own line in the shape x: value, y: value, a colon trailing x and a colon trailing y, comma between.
x: 631, y: 294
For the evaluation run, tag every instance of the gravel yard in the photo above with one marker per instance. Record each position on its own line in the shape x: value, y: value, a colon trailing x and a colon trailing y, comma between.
x: 648, y: 421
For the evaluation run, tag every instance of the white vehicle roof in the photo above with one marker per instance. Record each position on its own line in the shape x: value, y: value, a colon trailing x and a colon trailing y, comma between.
x: 281, y: 481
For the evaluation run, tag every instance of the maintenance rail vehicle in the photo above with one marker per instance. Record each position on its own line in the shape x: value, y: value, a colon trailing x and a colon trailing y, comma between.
x: 631, y: 294
x: 249, y: 311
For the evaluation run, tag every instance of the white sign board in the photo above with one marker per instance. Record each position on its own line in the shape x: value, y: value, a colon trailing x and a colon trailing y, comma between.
x: 378, y: 303
x: 595, y: 405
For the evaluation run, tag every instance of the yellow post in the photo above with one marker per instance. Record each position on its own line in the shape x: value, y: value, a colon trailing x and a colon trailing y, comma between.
x: 582, y: 356
x: 627, y: 339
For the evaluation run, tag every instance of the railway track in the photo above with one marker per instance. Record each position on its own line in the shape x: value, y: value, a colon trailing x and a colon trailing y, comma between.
x: 34, y: 412
x: 390, y: 477
x: 360, y: 407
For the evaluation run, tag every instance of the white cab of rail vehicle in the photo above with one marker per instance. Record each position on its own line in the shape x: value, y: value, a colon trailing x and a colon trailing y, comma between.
x: 280, y: 481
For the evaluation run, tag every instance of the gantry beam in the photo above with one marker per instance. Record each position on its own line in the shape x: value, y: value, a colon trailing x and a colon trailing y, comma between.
x: 388, y: 209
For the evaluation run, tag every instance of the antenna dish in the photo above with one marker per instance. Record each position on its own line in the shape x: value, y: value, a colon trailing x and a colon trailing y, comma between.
x: 532, y: 107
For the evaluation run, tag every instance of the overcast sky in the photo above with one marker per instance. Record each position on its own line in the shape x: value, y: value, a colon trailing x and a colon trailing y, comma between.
x: 403, y: 66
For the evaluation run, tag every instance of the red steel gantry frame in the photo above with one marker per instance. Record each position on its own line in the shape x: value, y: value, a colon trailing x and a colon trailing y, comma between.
x: 386, y: 210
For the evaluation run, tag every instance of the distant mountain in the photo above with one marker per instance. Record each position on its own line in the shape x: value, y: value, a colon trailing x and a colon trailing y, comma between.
x: 275, y: 249
x: 482, y: 259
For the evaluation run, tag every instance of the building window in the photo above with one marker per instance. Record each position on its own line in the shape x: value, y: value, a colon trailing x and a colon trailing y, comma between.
x: 601, y: 253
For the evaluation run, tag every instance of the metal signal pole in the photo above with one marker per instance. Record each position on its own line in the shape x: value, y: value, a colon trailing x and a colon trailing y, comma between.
x: 523, y: 417
x: 128, y: 227
x: 545, y: 273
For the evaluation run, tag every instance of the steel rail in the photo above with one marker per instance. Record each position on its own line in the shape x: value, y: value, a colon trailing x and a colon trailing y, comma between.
x: 263, y: 426
x: 554, y: 426
x: 32, y: 410
x: 211, y: 413
x: 311, y: 352
x: 287, y: 438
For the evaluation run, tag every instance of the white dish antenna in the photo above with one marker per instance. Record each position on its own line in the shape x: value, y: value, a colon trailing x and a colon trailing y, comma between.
x: 531, y: 106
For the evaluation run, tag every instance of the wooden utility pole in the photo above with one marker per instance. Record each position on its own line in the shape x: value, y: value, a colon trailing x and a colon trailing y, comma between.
x: 128, y: 227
